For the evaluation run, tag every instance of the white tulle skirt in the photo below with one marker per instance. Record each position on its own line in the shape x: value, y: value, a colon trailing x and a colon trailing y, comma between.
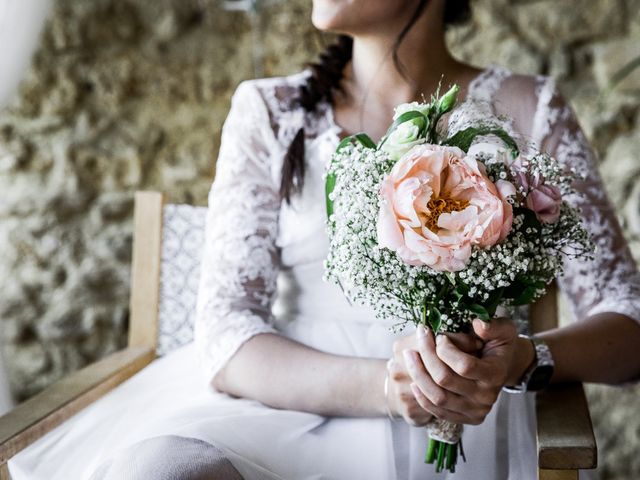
x: 171, y: 397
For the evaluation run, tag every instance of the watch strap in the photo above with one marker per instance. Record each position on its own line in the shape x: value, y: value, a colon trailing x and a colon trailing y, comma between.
x: 538, y: 375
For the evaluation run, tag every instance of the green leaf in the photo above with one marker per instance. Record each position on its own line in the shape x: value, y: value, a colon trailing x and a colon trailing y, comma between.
x: 530, y: 219
x: 435, y: 319
x: 462, y: 288
x: 451, y: 277
x: 515, y: 289
x: 494, y: 300
x: 329, y: 185
x: 527, y: 296
x: 361, y: 138
x: 444, y: 289
x: 479, y: 311
x: 464, y: 138
x: 345, y: 141
x: 365, y: 140
x: 523, y: 290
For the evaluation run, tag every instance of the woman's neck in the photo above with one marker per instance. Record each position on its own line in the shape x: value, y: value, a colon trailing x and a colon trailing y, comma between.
x: 372, y: 85
x: 373, y: 76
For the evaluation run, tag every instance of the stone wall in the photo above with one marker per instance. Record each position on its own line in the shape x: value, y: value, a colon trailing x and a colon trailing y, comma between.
x: 126, y: 94
x: 122, y: 95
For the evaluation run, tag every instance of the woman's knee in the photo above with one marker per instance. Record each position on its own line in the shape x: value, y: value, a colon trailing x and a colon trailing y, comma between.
x: 168, y: 457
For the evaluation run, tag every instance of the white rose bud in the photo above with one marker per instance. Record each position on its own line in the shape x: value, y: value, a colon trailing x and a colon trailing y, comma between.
x: 402, y: 139
x: 423, y: 108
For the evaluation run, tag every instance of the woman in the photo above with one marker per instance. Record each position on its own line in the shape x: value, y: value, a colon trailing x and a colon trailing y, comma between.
x: 320, y: 357
x: 354, y: 88
x: 321, y: 363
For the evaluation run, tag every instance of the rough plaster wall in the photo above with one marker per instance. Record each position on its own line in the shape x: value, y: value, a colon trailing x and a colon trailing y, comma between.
x: 127, y: 94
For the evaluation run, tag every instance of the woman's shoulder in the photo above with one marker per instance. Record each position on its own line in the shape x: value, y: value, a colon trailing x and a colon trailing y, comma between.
x: 279, y: 99
x: 278, y: 93
x: 530, y: 91
x: 533, y: 102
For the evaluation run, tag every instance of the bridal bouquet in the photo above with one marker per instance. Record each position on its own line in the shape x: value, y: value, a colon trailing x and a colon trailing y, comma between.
x: 433, y: 228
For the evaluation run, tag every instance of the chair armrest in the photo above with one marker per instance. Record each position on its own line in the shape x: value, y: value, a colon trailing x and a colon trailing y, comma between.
x: 565, y: 432
x: 40, y: 414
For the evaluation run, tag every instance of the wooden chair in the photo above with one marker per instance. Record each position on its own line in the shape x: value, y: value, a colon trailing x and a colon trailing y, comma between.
x: 162, y: 311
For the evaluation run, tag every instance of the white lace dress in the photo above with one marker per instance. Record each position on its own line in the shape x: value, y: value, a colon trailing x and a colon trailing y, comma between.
x: 262, y: 272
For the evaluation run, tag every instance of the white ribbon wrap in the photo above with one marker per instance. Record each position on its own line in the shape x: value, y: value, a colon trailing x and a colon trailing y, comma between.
x: 444, y: 431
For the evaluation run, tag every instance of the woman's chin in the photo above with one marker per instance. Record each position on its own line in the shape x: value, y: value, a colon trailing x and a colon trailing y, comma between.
x: 353, y: 17
x: 330, y: 16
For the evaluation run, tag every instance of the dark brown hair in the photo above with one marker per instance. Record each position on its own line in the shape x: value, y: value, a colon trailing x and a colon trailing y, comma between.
x: 326, y: 74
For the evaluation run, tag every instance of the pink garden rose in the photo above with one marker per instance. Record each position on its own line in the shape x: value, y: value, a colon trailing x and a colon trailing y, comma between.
x: 437, y: 203
x: 544, y: 199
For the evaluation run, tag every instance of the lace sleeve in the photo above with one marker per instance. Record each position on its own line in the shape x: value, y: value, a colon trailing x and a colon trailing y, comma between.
x: 240, y: 261
x: 611, y: 281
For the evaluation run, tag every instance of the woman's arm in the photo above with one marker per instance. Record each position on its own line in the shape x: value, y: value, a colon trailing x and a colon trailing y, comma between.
x: 605, y: 348
x: 603, y: 345
x: 240, y: 261
x: 282, y: 373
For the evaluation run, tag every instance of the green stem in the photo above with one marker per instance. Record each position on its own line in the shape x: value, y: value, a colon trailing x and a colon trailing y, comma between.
x: 442, y: 448
x: 444, y: 455
x: 452, y: 453
x: 431, y: 451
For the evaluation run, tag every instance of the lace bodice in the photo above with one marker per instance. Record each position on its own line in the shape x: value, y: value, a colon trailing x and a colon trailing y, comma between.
x: 253, y: 239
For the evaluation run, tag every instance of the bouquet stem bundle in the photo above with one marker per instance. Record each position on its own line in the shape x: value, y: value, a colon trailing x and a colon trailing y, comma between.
x: 444, y: 455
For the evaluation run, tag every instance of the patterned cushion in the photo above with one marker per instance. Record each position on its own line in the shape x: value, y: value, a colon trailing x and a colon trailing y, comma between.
x: 182, y: 242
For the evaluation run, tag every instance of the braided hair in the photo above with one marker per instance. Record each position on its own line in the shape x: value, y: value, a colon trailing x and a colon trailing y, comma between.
x: 326, y: 74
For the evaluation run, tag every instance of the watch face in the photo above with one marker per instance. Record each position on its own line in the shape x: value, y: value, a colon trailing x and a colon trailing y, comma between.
x: 540, y: 377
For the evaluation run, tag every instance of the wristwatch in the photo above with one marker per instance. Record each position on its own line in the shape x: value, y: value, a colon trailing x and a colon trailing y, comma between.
x: 538, y: 374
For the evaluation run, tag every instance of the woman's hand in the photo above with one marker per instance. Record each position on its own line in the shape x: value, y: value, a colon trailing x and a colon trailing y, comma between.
x: 454, y: 385
x: 401, y: 399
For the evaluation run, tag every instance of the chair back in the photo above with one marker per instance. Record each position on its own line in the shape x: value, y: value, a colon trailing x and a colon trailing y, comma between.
x: 167, y: 244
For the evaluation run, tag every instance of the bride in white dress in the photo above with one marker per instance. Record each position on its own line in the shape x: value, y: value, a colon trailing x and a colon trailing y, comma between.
x: 293, y: 374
